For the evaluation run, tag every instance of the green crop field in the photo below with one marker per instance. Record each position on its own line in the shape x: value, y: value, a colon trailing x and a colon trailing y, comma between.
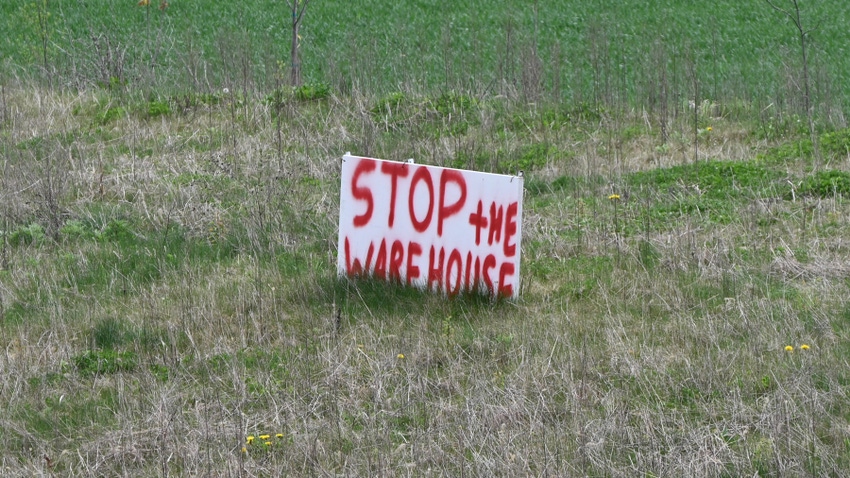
x: 169, y: 300
x: 581, y: 50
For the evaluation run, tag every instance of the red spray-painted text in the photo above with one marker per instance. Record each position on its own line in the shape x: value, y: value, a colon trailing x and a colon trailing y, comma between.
x: 444, y: 229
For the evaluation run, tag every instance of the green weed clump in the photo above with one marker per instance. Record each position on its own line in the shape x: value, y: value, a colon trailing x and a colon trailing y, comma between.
x: 31, y: 234
x: 529, y: 158
x: 108, y: 115
x: 453, y: 103
x: 826, y: 184
x: 104, y: 362
x: 836, y: 144
x: 711, y: 190
x: 309, y: 92
x: 109, y: 334
x: 716, y: 179
x: 157, y: 108
x: 788, y: 153
x: 312, y: 92
x: 388, y: 103
x: 105, y: 355
x: 76, y: 230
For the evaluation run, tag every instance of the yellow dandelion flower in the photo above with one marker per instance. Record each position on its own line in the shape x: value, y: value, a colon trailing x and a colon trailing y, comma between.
x: 250, y: 439
x: 804, y: 347
x: 144, y: 3
x: 400, y: 356
x: 709, y: 129
x: 265, y: 437
x: 268, y: 443
x: 244, y: 450
x: 614, y: 197
x: 279, y: 436
x: 789, y: 348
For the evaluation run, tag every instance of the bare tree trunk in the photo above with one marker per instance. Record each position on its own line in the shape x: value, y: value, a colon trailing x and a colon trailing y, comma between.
x: 44, y: 33
x: 298, y: 8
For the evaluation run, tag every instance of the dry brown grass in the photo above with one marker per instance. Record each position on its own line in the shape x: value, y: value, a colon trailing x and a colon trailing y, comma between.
x: 613, y: 363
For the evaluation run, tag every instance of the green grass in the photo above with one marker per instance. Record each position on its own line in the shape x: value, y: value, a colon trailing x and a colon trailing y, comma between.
x: 587, y: 48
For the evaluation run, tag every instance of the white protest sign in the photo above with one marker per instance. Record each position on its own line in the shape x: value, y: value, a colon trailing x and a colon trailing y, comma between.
x: 446, y: 230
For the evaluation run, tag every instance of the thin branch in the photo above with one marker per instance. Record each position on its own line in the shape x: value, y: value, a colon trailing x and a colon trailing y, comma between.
x: 777, y: 8
x: 813, y: 28
x: 303, y: 8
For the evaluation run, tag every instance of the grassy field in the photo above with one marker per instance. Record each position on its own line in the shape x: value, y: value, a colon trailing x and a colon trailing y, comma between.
x: 581, y: 52
x: 169, y: 304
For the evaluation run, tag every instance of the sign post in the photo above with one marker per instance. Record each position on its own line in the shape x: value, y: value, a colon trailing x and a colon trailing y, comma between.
x: 445, y: 230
